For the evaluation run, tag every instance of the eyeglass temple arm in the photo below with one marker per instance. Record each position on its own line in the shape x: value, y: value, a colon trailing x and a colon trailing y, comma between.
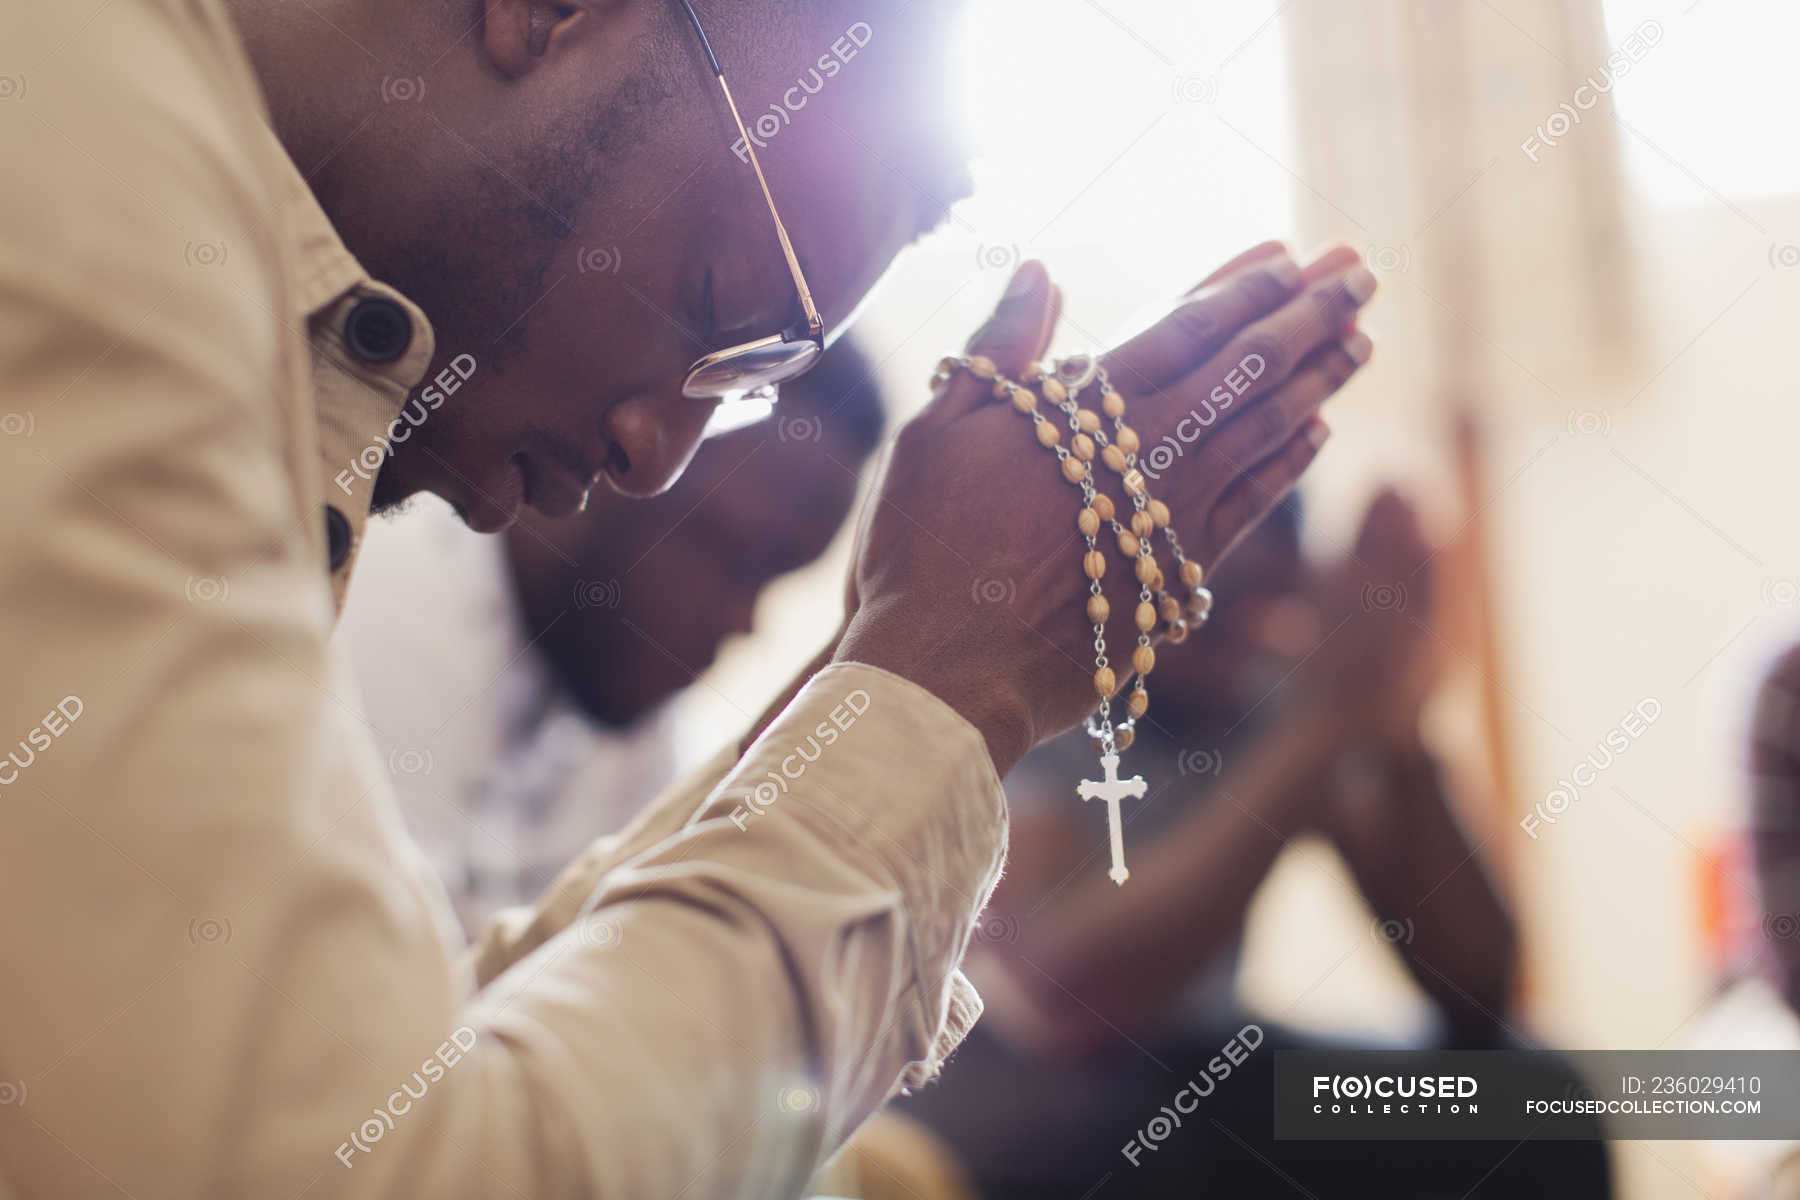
x: 815, y: 325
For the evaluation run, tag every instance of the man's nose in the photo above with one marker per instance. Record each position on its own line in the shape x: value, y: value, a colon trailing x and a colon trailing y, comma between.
x: 653, y: 436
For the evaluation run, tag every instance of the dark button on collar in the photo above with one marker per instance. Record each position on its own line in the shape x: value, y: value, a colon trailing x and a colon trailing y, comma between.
x: 337, y: 537
x: 377, y: 330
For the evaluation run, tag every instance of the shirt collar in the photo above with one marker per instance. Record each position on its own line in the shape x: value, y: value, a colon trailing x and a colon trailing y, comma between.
x: 370, y: 347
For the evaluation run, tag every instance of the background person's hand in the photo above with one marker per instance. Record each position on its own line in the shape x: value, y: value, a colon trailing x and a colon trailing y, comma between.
x: 969, y: 568
x: 1369, y: 677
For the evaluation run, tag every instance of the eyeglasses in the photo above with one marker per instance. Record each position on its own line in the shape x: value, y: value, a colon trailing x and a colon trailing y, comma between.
x: 759, y: 367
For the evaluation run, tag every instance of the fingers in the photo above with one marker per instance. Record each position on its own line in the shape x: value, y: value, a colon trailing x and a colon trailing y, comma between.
x: 1276, y: 345
x: 1259, y: 359
x: 1237, y: 448
x: 1391, y: 545
x: 1252, y: 497
x: 1389, y: 522
x: 1248, y: 258
x: 1015, y: 336
x: 1250, y: 286
x: 1216, y: 441
x: 1202, y: 323
x: 1017, y: 333
x: 1330, y: 261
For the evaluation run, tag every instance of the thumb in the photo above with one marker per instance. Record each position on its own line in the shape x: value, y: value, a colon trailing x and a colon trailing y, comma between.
x: 1014, y: 337
x: 1017, y: 334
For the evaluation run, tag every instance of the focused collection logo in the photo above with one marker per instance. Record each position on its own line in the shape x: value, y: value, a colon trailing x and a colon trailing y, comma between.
x: 1396, y: 1095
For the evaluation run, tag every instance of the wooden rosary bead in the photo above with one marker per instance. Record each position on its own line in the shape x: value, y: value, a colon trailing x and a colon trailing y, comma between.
x: 1104, y: 506
x: 1146, y: 569
x: 1159, y: 512
x: 1128, y: 543
x: 1145, y: 616
x: 1048, y: 434
x: 1142, y: 524
x: 1169, y: 609
x: 1156, y: 579
x: 1098, y: 610
x: 982, y: 367
x: 1143, y: 660
x: 1126, y: 439
x: 1114, y: 458
x: 1074, y: 470
x: 1088, y: 420
x: 1054, y: 391
x: 1178, y: 633
x: 1025, y: 400
x: 1138, y: 703
x: 1104, y: 682
x: 1123, y: 738
x: 1094, y: 563
x: 1191, y: 573
x: 1082, y: 447
x: 1032, y: 373
x: 1112, y: 404
x: 1088, y: 521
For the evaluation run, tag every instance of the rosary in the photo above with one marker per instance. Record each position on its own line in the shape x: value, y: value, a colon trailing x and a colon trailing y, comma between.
x: 1061, y: 388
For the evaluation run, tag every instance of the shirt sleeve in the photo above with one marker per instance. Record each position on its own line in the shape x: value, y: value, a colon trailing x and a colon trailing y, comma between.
x: 222, y: 975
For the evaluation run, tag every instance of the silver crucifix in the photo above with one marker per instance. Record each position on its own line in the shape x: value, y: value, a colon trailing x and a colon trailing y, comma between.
x: 1112, y: 789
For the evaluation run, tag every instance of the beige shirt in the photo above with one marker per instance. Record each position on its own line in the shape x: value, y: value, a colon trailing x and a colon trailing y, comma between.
x: 223, y: 969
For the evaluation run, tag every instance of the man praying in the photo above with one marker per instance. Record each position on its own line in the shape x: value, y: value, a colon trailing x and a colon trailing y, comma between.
x: 237, y: 238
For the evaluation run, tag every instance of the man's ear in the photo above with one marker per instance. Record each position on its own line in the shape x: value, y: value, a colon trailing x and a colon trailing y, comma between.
x: 520, y: 34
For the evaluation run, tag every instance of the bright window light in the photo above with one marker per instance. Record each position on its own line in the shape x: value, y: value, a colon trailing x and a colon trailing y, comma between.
x: 1131, y: 144
x: 1705, y: 110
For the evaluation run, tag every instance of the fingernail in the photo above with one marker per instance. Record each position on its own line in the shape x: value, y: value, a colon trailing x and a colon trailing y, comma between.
x: 1024, y: 282
x: 1361, y: 284
x: 1286, y: 272
x: 1317, y: 433
x: 1358, y: 347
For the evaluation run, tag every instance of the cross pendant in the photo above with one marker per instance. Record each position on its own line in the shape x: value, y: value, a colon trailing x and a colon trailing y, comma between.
x: 1112, y: 789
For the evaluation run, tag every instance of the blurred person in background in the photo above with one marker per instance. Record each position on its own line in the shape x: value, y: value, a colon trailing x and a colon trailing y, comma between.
x: 1774, y: 764
x: 1294, y: 712
x: 551, y: 725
